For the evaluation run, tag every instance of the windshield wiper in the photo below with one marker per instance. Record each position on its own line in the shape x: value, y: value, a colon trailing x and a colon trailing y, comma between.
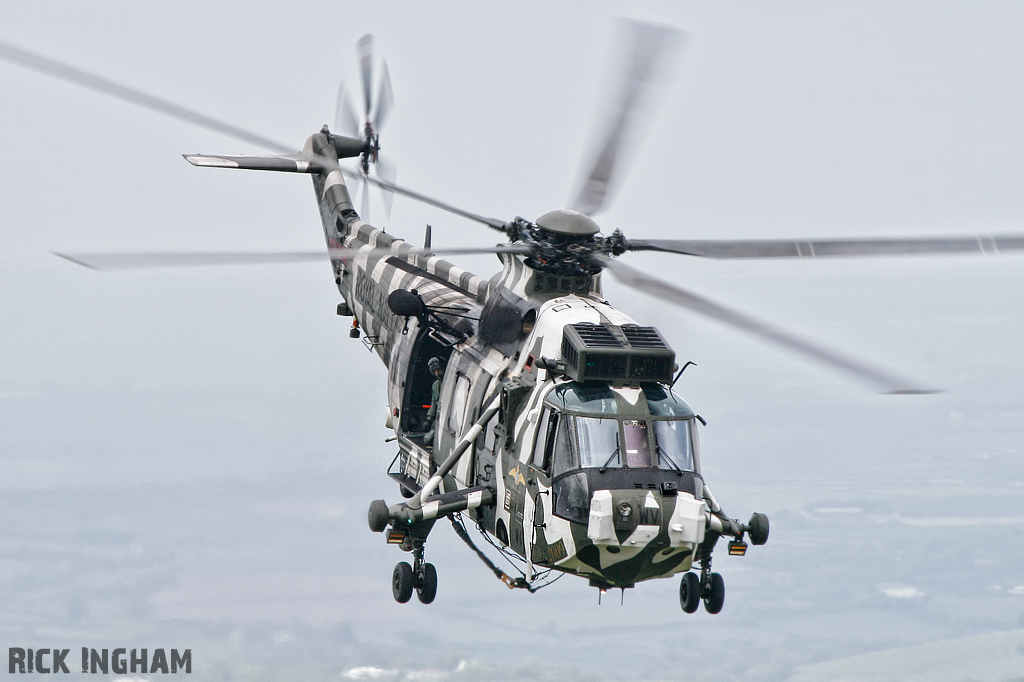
x: 667, y: 458
x: 614, y: 455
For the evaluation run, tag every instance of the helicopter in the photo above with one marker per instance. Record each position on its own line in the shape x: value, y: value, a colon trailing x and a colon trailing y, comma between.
x: 555, y: 426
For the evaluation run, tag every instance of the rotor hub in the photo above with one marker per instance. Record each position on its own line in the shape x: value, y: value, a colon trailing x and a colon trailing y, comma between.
x: 565, y: 243
x: 568, y: 222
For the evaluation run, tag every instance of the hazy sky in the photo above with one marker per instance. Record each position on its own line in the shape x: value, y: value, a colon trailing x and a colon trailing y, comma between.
x: 186, y: 457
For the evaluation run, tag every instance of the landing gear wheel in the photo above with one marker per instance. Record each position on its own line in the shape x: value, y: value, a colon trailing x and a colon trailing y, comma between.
x: 378, y: 516
x: 689, y: 592
x: 758, y: 528
x: 426, y: 585
x: 402, y: 582
x: 714, y: 596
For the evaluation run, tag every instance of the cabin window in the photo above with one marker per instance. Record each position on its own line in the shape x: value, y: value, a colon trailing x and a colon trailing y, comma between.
x: 457, y: 405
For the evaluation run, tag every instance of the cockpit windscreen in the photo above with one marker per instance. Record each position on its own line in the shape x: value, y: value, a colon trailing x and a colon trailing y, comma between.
x: 595, y: 426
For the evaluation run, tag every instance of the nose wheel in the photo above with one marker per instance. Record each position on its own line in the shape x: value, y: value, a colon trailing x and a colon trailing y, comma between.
x: 420, y: 577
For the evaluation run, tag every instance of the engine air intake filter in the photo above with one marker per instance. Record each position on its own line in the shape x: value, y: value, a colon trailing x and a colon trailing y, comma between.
x: 627, y: 355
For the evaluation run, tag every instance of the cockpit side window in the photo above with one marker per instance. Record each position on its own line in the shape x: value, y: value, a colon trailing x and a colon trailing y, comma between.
x: 545, y: 441
x: 572, y: 498
x: 562, y: 443
x: 695, y: 442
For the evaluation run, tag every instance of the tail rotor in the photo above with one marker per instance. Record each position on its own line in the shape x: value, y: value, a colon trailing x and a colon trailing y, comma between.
x: 375, y: 114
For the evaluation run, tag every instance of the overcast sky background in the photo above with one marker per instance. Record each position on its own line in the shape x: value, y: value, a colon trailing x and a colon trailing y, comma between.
x: 186, y: 457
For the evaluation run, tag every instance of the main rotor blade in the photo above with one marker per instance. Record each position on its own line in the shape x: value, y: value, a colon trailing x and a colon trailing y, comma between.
x: 365, y: 51
x: 95, y: 83
x: 494, y: 223
x: 385, y: 99
x: 102, y: 85
x: 882, y: 379
x: 110, y: 262
x: 144, y: 261
x: 648, y: 53
x: 831, y: 248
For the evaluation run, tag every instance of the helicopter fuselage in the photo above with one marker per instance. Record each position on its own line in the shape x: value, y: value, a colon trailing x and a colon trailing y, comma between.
x: 591, y: 470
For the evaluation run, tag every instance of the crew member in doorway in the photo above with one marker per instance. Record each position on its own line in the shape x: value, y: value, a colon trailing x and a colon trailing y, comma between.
x: 436, y: 367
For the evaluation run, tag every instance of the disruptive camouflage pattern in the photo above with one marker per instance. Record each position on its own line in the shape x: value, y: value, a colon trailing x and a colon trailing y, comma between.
x: 630, y: 525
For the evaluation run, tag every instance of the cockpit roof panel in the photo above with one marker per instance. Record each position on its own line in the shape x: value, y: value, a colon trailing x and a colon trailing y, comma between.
x: 598, y: 399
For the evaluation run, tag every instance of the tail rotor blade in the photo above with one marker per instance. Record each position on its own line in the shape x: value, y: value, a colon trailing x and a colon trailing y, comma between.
x: 364, y: 212
x: 365, y: 50
x: 345, y: 121
x: 388, y: 173
x: 385, y: 98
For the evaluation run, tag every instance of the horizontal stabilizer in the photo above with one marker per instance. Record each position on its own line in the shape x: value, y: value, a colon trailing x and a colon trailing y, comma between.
x: 290, y: 163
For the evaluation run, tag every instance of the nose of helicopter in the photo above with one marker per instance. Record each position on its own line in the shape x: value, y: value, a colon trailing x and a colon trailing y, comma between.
x: 641, y: 534
x: 636, y: 518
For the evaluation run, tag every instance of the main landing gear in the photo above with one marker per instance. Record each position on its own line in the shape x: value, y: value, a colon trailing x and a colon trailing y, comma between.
x: 421, y: 577
x: 708, y: 587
